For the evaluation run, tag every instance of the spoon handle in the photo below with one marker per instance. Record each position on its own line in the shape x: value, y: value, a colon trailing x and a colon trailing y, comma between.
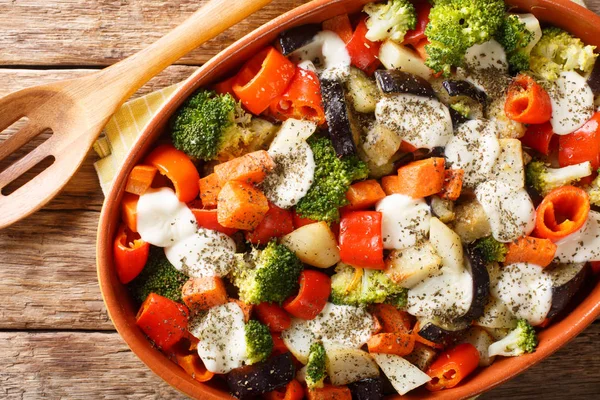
x: 128, y: 75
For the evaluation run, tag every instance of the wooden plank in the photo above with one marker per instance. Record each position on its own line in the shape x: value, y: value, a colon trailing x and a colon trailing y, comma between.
x: 98, y: 32
x: 48, y: 273
x: 79, y: 365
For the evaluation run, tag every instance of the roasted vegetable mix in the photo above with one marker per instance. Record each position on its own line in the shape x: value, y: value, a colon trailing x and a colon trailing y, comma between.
x: 402, y: 195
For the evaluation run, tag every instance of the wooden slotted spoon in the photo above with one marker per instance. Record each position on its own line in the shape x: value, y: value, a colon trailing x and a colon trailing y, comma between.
x: 76, y: 110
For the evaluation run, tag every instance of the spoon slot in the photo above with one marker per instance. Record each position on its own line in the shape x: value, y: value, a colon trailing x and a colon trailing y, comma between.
x: 14, y: 146
x: 27, y: 176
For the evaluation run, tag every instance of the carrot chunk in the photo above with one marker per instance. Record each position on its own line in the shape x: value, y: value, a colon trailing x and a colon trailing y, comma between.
x: 252, y: 168
x: 140, y: 179
x: 210, y: 187
x: 422, y: 178
x: 391, y: 319
x: 240, y: 205
x: 533, y: 250
x: 400, y: 344
x: 363, y: 195
x: 391, y: 184
x: 200, y: 294
x: 129, y: 210
x: 453, y: 181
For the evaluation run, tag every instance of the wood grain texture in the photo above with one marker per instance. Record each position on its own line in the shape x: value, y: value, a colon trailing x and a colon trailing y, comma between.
x: 79, y: 365
x: 101, y: 32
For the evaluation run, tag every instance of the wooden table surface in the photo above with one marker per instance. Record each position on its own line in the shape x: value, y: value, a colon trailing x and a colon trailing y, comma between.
x: 56, y: 340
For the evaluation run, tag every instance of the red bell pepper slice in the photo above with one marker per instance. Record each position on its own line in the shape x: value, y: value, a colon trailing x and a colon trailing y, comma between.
x: 178, y: 167
x: 131, y: 254
x: 341, y: 26
x: 582, y: 145
x: 315, y: 288
x: 538, y: 137
x: 226, y: 87
x: 262, y: 79
x: 276, y: 223
x: 364, y: 54
x: 527, y: 101
x: 279, y: 346
x: 301, y: 100
x: 273, y: 316
x: 361, y: 241
x: 452, y: 366
x: 208, y: 219
x: 562, y: 212
x: 162, y: 320
x: 300, y: 222
x: 414, y: 36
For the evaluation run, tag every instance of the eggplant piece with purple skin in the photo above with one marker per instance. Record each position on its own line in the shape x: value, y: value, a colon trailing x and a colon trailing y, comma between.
x: 442, y: 332
x: 296, y: 38
x: 567, y: 279
x: 393, y: 81
x: 457, y: 88
x: 481, y: 284
x: 338, y: 117
x: 367, y: 389
x: 593, y: 80
x: 253, y: 380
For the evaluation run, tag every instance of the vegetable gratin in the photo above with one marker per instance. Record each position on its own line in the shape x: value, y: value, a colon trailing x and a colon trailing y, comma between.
x: 381, y: 203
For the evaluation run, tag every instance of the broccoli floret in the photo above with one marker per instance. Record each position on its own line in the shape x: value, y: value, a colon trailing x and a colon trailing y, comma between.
x: 519, y: 341
x: 391, y: 19
x: 333, y: 177
x: 514, y: 36
x: 358, y: 286
x: 456, y: 25
x: 559, y: 51
x: 206, y: 126
x: 544, y: 179
x: 269, y: 275
x: 490, y: 250
x: 315, y: 367
x: 259, y: 342
x: 158, y: 276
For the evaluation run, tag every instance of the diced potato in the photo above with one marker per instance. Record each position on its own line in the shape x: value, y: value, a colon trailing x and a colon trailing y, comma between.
x: 508, y: 128
x: 422, y: 356
x: 482, y: 340
x: 410, y: 266
x: 363, y: 91
x: 443, y: 209
x: 314, y: 244
x: 395, y: 56
x: 471, y: 222
x: 380, y: 144
x: 509, y: 167
x: 346, y: 365
x: 403, y: 376
x: 496, y: 316
x: 298, y: 339
x: 447, y: 244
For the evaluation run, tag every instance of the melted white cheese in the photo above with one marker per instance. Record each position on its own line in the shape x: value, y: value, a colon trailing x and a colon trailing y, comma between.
x: 162, y: 219
x: 475, y: 149
x: 509, y: 210
x: 329, y: 52
x: 583, y: 245
x: 447, y: 295
x: 421, y: 121
x: 294, y: 170
x: 486, y: 55
x: 405, y: 221
x: 222, y: 335
x: 206, y: 253
x: 526, y: 290
x: 572, y: 103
